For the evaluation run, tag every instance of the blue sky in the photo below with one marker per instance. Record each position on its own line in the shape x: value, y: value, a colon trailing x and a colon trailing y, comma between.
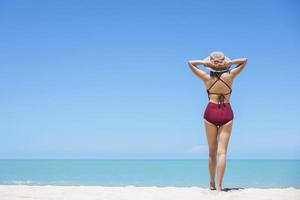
x: 109, y: 79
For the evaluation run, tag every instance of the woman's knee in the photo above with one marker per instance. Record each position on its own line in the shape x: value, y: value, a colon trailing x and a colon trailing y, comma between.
x: 212, y: 153
x: 221, y: 152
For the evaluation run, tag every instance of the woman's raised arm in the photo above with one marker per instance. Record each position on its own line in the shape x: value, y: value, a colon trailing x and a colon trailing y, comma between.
x: 200, y: 73
x: 241, y: 62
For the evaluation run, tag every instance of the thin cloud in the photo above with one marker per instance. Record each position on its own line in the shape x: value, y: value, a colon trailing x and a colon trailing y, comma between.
x: 198, y: 149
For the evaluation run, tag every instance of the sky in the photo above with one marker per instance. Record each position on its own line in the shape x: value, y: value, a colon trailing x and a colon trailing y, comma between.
x: 109, y: 79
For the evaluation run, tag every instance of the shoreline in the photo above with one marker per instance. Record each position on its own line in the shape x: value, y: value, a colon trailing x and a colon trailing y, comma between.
x: 140, y: 186
x: 130, y: 192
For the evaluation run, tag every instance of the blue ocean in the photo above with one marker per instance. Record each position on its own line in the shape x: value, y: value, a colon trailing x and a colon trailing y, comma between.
x: 149, y: 172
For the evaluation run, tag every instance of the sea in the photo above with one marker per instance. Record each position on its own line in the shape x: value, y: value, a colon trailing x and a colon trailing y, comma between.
x: 148, y: 172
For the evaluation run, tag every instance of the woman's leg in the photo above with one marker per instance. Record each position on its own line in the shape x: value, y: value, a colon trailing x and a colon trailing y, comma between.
x: 211, y: 134
x: 223, y: 139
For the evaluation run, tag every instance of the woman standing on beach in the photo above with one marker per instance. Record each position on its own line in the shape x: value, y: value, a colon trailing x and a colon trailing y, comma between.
x: 218, y: 115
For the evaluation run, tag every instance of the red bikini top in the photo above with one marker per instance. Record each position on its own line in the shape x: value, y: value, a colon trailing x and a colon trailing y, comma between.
x: 221, y: 95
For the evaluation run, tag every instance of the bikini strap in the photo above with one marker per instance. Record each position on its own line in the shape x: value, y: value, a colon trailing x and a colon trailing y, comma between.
x: 213, y: 84
x: 207, y: 90
x: 219, y: 78
x: 226, y: 84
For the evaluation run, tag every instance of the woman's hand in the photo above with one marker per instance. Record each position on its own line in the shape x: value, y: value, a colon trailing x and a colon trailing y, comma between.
x: 218, y: 65
x: 222, y: 64
x: 227, y: 63
x: 212, y: 64
x: 209, y: 63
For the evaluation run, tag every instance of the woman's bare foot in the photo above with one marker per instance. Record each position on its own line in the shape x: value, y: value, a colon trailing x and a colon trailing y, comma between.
x: 219, y: 188
x: 212, y: 186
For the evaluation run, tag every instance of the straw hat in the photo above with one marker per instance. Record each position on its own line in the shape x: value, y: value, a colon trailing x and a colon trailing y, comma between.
x: 217, y: 55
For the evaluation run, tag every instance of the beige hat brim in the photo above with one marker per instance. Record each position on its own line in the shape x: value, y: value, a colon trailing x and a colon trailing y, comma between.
x: 208, y: 58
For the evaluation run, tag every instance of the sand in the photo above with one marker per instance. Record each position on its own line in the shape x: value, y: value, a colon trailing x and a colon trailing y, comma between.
x: 16, y: 192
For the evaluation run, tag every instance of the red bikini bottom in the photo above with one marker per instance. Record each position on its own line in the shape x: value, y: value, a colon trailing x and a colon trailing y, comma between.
x: 218, y: 114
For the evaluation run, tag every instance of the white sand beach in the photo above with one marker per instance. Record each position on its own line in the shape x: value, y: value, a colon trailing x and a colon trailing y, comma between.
x: 17, y: 192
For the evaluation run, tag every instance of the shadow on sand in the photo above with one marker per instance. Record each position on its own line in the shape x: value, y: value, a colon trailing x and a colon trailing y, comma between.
x: 230, y: 189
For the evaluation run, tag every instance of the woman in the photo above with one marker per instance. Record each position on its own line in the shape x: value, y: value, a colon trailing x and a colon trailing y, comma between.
x: 218, y: 115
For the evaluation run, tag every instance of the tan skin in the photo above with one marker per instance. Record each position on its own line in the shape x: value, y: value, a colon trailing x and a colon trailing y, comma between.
x: 217, y: 138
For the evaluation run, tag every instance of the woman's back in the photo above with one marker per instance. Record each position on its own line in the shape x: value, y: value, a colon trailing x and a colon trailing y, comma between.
x: 219, y: 86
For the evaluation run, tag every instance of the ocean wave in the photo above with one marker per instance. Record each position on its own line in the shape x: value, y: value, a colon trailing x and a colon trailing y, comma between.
x: 18, y: 182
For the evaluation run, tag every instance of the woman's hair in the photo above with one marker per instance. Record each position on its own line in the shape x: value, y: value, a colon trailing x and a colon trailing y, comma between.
x: 218, y: 74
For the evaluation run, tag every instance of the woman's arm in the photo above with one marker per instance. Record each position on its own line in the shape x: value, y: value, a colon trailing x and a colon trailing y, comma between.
x: 241, y: 62
x: 200, y: 73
